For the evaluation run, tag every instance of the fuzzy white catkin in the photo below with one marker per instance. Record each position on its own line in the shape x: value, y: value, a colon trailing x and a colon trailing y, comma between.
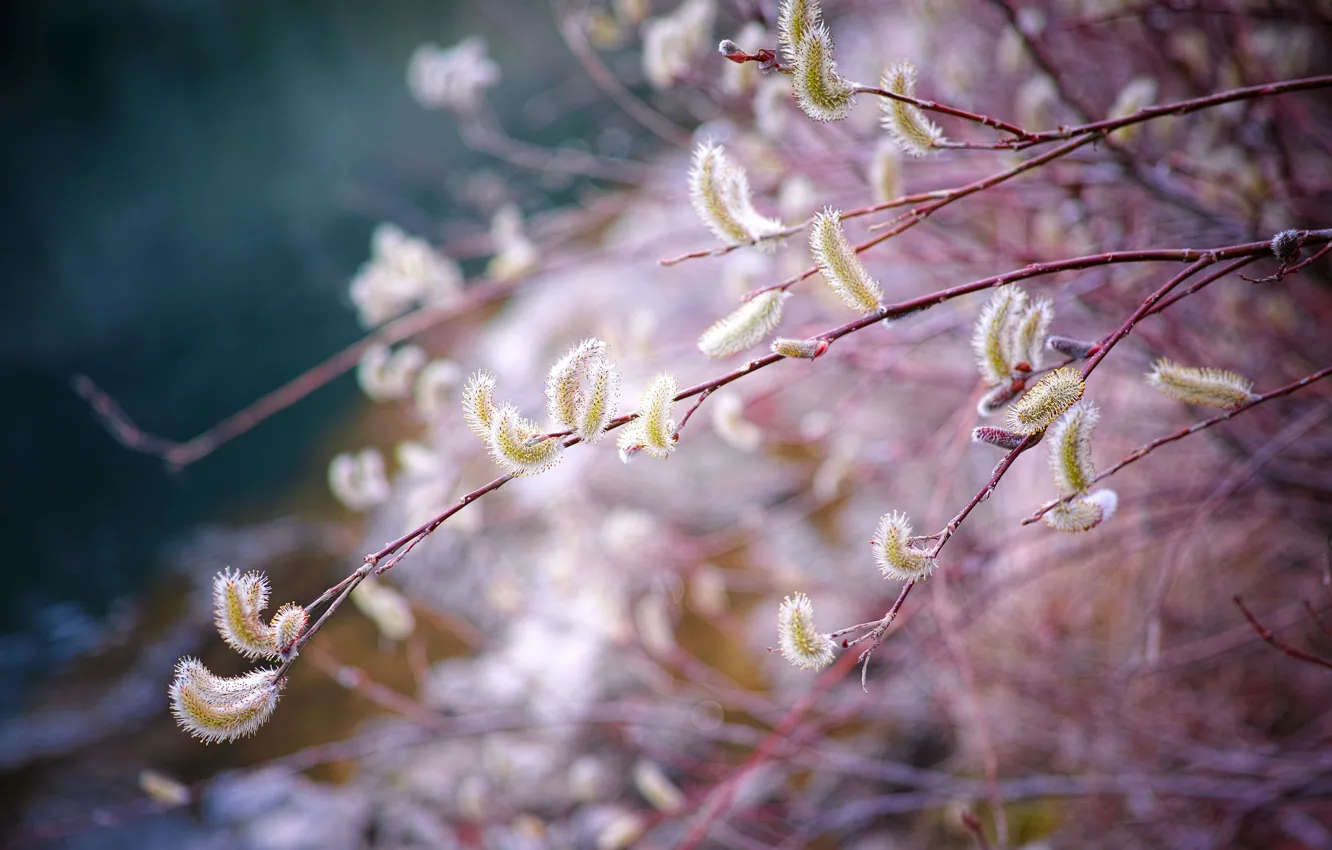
x: 746, y: 327
x: 840, y: 266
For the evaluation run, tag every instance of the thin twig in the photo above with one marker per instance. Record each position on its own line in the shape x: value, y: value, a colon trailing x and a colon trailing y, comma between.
x: 1266, y: 634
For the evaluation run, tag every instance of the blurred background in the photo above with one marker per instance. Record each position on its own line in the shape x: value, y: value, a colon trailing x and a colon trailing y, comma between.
x: 582, y: 659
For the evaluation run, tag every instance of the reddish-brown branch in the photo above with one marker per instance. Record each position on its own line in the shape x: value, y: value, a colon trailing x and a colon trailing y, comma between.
x: 1266, y: 634
x: 1141, y: 452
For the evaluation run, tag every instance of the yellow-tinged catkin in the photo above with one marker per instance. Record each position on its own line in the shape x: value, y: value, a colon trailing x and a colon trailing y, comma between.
x: 654, y: 429
x: 798, y: 639
x: 1027, y: 343
x: 478, y: 398
x: 512, y: 444
x: 1083, y: 514
x: 897, y: 558
x: 1201, y: 385
x: 795, y: 20
x: 238, y: 600
x: 745, y: 327
x: 993, y: 330
x: 582, y: 390
x: 820, y: 91
x: 719, y: 192
x: 906, y: 124
x: 1045, y: 402
x: 212, y: 708
x: 839, y: 264
x: 1070, y: 448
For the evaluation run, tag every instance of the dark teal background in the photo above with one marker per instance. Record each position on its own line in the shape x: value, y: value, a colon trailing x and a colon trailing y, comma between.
x: 188, y: 186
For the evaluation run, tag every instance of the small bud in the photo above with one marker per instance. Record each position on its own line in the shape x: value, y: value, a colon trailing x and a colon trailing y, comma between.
x: 212, y: 708
x: 1045, y: 402
x: 1286, y: 246
x: 512, y: 444
x: 1083, y: 514
x: 654, y: 430
x: 1075, y: 348
x: 897, y: 558
x: 1201, y: 384
x: 800, y: 642
x: 732, y: 51
x: 745, y: 327
x: 993, y: 401
x: 820, y: 91
x: 795, y: 20
x: 478, y: 398
x: 720, y: 194
x: 802, y: 348
x: 839, y: 264
x: 1070, y: 448
x: 996, y: 437
x: 906, y: 124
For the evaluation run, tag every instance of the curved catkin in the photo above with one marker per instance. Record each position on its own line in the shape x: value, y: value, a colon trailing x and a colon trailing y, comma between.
x: 1083, y: 514
x: 820, y: 91
x: 795, y: 20
x: 745, y: 327
x: 897, y: 558
x: 800, y: 642
x: 478, y: 398
x: 839, y: 264
x: 287, y: 627
x: 1027, y: 342
x: 512, y: 444
x: 212, y: 708
x: 990, y: 337
x: 915, y: 134
x: 1045, y: 402
x: 1070, y: 448
x: 997, y: 437
x: 237, y: 601
x: 654, y: 429
x: 1201, y: 385
x: 1286, y: 246
x: 563, y: 382
x: 719, y: 192
x: 600, y: 396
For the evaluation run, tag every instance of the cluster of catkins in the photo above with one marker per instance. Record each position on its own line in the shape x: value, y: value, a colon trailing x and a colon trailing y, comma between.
x: 215, y: 708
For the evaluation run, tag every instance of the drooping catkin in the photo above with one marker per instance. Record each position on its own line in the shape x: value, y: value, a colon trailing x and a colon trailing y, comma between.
x: 1083, y: 514
x: 840, y: 266
x: 238, y: 599
x: 478, y: 399
x: 800, y: 641
x: 905, y: 122
x: 821, y: 92
x: 745, y: 327
x: 213, y: 708
x: 1201, y: 385
x: 897, y: 558
x: 1070, y: 448
x: 654, y: 429
x: 514, y: 443
x: 720, y: 194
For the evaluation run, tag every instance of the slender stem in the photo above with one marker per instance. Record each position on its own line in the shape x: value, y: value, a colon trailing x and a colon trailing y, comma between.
x: 944, y: 109
x: 1266, y: 634
x: 1141, y: 452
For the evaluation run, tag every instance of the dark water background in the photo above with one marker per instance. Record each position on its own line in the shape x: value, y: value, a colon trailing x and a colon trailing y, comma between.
x: 188, y: 186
